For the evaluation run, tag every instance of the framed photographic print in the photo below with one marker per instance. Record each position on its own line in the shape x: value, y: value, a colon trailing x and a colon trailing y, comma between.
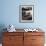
x: 26, y: 13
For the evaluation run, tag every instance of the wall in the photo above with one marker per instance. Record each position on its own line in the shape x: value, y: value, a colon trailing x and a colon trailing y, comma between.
x: 9, y: 13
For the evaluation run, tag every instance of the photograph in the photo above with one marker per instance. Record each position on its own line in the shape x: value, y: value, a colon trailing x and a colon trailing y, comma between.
x: 26, y: 13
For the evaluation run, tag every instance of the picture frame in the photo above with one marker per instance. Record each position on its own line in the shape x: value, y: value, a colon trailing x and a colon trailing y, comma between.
x: 26, y: 13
